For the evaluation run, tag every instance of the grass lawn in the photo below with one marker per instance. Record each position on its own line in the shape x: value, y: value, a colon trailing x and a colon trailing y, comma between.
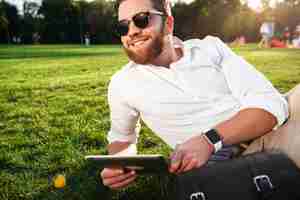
x: 53, y: 112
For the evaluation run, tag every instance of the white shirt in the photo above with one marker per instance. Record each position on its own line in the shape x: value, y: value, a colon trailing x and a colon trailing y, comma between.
x: 267, y: 28
x: 208, y: 85
x: 296, y: 42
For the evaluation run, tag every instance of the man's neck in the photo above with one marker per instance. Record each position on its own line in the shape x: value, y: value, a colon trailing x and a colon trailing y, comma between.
x: 169, y: 55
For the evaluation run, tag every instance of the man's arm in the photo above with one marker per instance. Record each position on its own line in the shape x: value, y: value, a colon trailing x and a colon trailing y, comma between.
x: 262, y: 108
x: 246, y: 125
x: 117, y: 147
x: 124, y: 121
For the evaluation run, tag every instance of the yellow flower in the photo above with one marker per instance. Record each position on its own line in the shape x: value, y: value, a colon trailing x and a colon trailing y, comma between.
x: 59, y: 181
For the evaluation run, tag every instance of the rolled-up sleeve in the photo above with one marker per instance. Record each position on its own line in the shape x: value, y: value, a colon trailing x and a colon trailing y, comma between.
x: 125, y: 124
x: 249, y: 86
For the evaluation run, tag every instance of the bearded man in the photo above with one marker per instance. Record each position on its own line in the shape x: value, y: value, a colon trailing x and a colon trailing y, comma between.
x: 197, y: 95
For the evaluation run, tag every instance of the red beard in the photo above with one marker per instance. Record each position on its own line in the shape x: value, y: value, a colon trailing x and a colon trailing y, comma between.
x: 148, y: 53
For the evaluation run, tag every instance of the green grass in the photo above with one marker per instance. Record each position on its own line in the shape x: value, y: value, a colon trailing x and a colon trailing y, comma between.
x: 53, y: 111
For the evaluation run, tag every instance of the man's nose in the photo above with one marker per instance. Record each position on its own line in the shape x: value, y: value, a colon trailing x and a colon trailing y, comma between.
x: 133, y: 30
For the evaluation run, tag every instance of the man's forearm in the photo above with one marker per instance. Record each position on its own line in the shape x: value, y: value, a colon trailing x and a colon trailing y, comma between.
x: 117, y: 147
x: 246, y: 125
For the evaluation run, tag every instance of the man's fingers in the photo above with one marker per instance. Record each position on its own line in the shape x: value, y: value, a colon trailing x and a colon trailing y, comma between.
x: 176, y: 160
x: 193, y: 164
x: 123, y: 183
x: 111, y: 172
x: 174, y: 167
x: 118, y: 179
x: 185, y: 162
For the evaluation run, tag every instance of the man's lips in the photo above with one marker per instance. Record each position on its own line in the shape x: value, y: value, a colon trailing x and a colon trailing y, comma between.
x: 137, y: 42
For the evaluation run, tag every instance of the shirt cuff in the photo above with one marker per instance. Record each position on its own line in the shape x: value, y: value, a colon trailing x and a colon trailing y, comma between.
x: 117, y: 137
x: 277, y: 107
x: 129, y: 151
x: 114, y: 136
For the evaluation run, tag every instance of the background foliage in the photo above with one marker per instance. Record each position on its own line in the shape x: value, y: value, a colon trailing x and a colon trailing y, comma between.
x: 68, y: 21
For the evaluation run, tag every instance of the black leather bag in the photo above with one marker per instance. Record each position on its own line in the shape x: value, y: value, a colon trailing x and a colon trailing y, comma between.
x: 259, y: 176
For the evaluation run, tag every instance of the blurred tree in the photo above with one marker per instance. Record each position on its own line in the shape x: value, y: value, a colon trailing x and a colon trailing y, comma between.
x: 83, y: 8
x: 60, y: 21
x: 10, y: 22
x: 69, y: 21
x: 31, y: 22
x: 287, y: 14
x: 243, y: 22
x: 203, y: 17
x: 182, y: 13
x: 102, y: 19
x: 3, y: 20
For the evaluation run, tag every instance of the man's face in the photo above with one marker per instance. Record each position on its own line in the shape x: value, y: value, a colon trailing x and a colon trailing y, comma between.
x: 141, y: 45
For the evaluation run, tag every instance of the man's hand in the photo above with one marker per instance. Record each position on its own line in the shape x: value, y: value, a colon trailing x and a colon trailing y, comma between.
x: 117, y: 178
x: 191, y: 154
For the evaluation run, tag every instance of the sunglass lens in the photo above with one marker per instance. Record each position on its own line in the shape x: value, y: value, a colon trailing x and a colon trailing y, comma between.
x: 141, y: 20
x: 122, y: 28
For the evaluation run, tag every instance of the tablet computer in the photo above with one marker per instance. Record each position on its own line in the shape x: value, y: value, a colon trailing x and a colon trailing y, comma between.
x: 155, y: 164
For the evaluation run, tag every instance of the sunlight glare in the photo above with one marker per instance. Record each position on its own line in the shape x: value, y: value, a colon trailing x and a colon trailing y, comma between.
x: 255, y: 4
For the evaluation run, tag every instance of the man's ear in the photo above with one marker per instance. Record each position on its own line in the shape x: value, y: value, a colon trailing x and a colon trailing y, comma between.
x: 169, y: 25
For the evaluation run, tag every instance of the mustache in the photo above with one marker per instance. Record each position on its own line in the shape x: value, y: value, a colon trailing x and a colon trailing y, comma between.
x: 132, y: 41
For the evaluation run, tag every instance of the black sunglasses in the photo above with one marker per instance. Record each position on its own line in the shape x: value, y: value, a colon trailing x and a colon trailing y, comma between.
x: 140, y: 20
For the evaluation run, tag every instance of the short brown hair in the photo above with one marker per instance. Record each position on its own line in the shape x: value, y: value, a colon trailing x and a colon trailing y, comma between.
x: 159, y: 5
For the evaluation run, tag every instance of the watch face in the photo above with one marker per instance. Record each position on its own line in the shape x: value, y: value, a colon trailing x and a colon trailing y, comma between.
x: 213, y: 136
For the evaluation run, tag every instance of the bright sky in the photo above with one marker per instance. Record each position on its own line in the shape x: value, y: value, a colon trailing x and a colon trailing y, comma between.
x: 255, y: 4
